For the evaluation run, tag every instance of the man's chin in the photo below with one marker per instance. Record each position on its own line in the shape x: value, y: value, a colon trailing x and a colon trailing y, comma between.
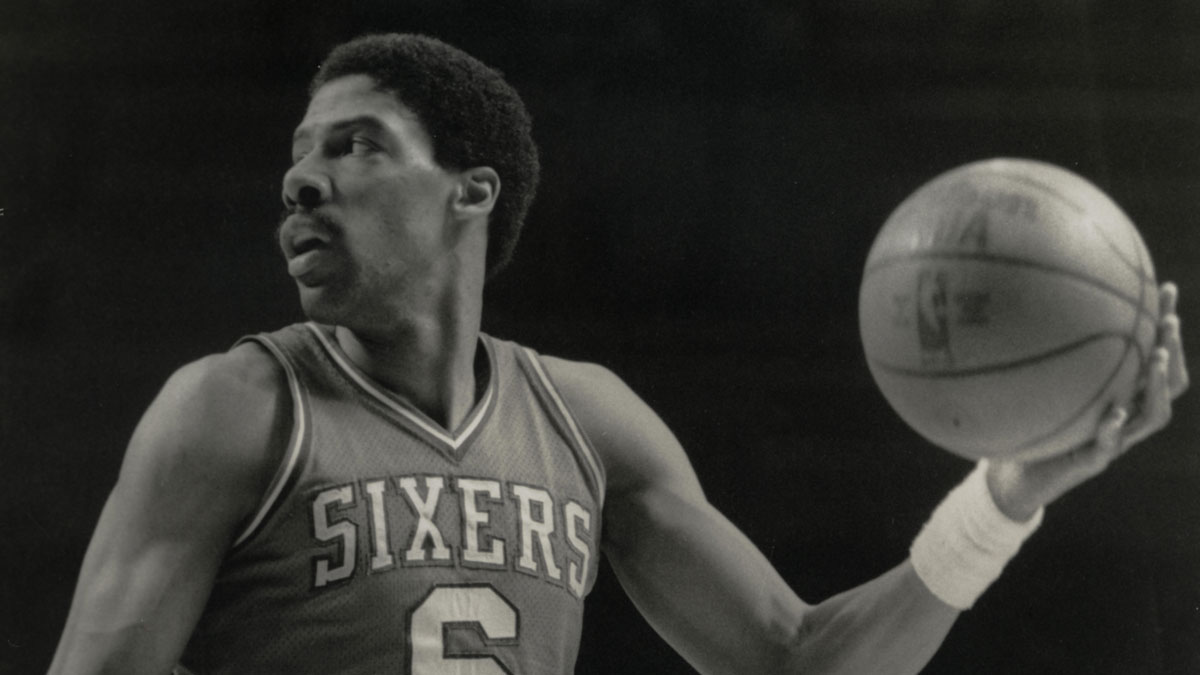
x: 320, y: 305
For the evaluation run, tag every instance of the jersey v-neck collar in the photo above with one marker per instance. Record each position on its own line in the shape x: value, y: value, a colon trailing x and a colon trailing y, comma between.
x: 452, y: 443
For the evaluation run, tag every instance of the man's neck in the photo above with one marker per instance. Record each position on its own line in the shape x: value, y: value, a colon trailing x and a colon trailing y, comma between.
x: 429, y: 362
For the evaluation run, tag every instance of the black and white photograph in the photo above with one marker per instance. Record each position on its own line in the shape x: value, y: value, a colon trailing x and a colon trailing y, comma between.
x: 568, y: 336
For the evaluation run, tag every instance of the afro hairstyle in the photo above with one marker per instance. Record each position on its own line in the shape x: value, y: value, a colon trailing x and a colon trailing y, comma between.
x: 473, y: 115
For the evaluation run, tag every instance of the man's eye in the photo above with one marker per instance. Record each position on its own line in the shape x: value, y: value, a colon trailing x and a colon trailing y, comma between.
x: 361, y: 146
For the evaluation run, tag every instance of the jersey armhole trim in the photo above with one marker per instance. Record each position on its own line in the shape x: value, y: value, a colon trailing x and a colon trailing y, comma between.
x: 581, y: 441
x: 288, y: 469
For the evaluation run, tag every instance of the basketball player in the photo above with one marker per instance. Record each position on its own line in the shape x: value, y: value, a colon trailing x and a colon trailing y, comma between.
x: 386, y: 489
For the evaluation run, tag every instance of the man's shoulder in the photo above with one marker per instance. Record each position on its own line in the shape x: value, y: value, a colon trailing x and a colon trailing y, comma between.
x: 229, y: 410
x: 243, y: 378
x: 598, y: 398
x: 637, y: 448
x: 580, y: 382
x: 585, y: 382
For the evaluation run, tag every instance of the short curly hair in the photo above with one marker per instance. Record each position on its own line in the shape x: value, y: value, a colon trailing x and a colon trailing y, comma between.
x: 473, y: 115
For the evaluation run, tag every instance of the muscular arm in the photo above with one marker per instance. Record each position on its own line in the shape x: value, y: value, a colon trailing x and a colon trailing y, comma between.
x: 705, y: 587
x: 717, y: 600
x: 194, y: 470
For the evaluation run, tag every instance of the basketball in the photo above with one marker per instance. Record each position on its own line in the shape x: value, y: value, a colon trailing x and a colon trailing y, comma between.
x: 1005, y: 306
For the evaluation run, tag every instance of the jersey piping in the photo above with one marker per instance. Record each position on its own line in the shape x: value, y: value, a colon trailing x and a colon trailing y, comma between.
x: 453, y: 444
x: 298, y: 443
x: 561, y: 415
x: 372, y: 539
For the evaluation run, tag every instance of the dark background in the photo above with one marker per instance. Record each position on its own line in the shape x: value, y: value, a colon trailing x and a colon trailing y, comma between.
x: 713, y: 177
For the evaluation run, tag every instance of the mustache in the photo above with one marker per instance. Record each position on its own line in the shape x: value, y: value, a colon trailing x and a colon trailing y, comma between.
x: 321, y: 219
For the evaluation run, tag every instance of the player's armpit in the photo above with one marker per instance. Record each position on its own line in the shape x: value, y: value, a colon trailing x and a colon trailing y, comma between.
x: 704, y: 586
x: 194, y: 470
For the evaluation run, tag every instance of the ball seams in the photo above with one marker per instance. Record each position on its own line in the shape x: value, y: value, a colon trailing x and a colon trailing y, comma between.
x: 1022, y: 362
x: 1000, y: 259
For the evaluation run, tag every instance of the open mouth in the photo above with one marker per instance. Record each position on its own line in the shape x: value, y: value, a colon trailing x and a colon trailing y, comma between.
x: 303, y: 233
x: 304, y: 243
x: 307, y: 243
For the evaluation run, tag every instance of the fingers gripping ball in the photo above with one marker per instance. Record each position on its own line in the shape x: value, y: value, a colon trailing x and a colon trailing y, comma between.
x: 1005, y: 306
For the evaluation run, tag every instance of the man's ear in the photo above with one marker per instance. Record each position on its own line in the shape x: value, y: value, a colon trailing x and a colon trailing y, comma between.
x: 478, y: 189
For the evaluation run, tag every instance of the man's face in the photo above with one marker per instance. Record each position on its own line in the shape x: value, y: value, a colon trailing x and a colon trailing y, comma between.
x: 366, y: 233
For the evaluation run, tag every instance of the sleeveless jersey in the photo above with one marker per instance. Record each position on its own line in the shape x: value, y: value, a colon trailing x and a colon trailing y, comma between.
x: 387, y: 544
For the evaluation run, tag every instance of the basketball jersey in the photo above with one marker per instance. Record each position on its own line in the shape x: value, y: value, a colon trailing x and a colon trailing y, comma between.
x: 387, y: 544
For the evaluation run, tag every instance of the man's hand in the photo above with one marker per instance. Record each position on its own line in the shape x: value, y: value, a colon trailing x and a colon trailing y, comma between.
x: 1021, y: 488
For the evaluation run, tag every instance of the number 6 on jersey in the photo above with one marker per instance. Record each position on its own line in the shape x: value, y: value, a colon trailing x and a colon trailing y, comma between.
x: 470, y: 607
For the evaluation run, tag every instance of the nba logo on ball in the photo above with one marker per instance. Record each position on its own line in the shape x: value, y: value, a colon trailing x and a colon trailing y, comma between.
x: 1005, y: 306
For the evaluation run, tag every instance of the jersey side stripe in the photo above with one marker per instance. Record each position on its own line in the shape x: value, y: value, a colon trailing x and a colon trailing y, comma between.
x: 296, y: 444
x: 584, y: 447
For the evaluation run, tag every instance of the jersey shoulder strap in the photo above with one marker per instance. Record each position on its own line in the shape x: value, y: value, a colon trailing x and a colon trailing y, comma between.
x: 282, y: 345
x: 559, y: 412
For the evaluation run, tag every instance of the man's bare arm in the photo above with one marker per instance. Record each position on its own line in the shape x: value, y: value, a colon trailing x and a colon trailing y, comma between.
x: 195, y: 469
x: 704, y: 587
x: 717, y: 600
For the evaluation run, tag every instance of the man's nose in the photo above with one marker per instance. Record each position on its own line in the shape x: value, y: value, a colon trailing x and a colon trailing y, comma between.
x: 305, y: 185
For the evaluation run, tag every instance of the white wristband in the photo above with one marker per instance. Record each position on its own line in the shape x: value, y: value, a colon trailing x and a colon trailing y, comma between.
x: 967, y: 542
